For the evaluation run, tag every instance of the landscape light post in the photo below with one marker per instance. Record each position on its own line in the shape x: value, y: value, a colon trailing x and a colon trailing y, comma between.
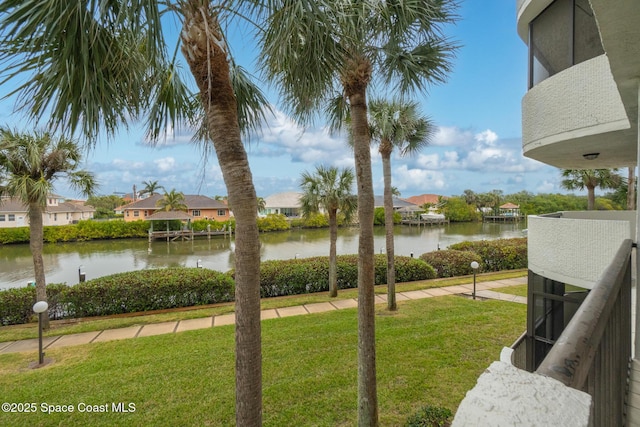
x: 81, y: 275
x: 40, y: 307
x: 475, y: 266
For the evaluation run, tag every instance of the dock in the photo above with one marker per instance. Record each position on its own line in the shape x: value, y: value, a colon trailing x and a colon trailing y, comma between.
x: 186, y: 235
x: 425, y: 222
x: 502, y: 218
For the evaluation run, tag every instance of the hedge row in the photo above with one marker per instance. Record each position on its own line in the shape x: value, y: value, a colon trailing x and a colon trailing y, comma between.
x: 298, y: 276
x: 498, y: 255
x: 83, y: 230
x: 121, y: 293
x: 492, y: 255
x: 451, y: 262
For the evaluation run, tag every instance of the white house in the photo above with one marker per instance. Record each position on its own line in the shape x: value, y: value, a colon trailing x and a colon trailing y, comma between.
x: 13, y: 213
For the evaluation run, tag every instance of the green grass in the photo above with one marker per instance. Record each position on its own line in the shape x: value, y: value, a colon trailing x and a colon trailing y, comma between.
x: 21, y: 332
x: 428, y: 353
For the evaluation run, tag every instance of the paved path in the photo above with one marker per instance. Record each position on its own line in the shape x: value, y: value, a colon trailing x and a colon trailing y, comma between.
x: 483, y: 290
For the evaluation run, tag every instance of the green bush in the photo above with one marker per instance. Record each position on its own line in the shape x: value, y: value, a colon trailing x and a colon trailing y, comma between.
x: 451, y: 262
x: 201, y: 225
x: 14, y: 235
x: 121, y: 293
x: 430, y: 416
x: 299, y: 276
x: 378, y: 218
x: 498, y: 255
x: 273, y: 222
x: 316, y: 220
x: 147, y: 290
x: 16, y: 304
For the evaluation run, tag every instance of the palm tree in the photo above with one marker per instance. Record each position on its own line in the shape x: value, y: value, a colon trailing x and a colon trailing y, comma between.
x: 262, y: 204
x: 99, y: 65
x: 151, y: 187
x: 396, y: 125
x: 323, y: 50
x: 579, y: 179
x: 172, y: 201
x: 29, y: 166
x: 329, y: 189
x: 631, y: 188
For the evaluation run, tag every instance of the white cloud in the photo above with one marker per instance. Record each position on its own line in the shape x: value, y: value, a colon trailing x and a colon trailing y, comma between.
x: 166, y: 164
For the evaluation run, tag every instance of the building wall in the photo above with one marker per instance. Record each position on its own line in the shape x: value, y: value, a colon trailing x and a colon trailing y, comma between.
x: 580, y: 101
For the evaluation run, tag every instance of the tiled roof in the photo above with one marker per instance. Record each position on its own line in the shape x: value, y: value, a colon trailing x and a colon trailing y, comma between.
x: 424, y: 198
x: 15, y: 205
x: 397, y: 203
x: 283, y: 200
x: 192, y: 201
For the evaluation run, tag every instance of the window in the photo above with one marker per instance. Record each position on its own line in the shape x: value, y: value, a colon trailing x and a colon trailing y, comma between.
x: 136, y: 213
x: 2, y: 217
x: 563, y: 35
x: 196, y: 212
x: 55, y: 216
x: 12, y: 217
x: 222, y: 212
x: 67, y: 215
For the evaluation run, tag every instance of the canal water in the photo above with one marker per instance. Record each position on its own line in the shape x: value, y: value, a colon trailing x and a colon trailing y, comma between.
x: 63, y: 261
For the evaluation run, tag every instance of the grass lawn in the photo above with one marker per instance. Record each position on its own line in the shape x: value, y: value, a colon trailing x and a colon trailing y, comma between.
x: 26, y: 331
x: 428, y: 353
x: 520, y: 290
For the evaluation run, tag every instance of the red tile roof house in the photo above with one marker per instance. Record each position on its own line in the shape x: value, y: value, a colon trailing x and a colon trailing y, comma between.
x: 198, y: 207
x: 13, y: 213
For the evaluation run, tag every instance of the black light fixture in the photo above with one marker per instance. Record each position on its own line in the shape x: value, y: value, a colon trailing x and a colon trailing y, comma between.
x: 591, y: 156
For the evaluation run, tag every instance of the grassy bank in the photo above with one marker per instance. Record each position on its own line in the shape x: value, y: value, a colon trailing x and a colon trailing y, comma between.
x: 20, y: 332
x: 430, y: 352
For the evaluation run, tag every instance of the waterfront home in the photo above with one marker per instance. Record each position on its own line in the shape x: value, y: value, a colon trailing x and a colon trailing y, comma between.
x: 576, y: 364
x: 198, y: 207
x: 13, y: 213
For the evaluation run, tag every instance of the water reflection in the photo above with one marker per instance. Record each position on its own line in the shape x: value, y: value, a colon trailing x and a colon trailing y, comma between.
x: 62, y: 260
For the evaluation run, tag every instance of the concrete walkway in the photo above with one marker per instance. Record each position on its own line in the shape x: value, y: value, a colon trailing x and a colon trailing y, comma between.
x: 483, y: 290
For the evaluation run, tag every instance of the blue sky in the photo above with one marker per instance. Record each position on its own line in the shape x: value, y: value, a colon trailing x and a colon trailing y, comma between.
x: 477, y: 146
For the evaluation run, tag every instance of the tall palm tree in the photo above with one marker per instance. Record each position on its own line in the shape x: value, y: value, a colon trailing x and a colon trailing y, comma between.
x: 29, y: 166
x: 398, y: 125
x: 329, y: 188
x: 323, y: 50
x: 151, y: 187
x: 172, y: 201
x: 579, y: 179
x: 90, y: 66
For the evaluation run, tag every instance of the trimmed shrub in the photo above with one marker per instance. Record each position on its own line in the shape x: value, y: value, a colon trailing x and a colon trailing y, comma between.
x: 498, y: 255
x: 14, y: 235
x: 307, y: 275
x: 16, y: 304
x: 451, y: 262
x: 378, y: 217
x: 273, y: 222
x: 147, y: 290
x: 121, y: 293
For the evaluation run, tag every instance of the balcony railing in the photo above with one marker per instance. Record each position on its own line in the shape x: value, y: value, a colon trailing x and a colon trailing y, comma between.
x: 593, y: 351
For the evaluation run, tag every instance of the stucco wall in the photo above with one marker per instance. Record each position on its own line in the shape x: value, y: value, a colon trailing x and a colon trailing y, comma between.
x: 580, y: 101
x: 507, y: 396
x: 574, y: 251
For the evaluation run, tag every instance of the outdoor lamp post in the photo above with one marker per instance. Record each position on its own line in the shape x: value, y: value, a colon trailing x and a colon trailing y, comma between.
x: 199, y: 263
x: 475, y: 266
x: 81, y: 275
x: 40, y: 307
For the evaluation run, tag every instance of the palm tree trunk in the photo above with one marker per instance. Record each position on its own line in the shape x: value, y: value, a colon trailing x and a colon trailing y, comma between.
x: 333, y: 268
x: 367, y: 394
x: 36, y: 238
x: 631, y: 189
x: 385, y: 151
x: 203, y: 47
x: 591, y: 198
